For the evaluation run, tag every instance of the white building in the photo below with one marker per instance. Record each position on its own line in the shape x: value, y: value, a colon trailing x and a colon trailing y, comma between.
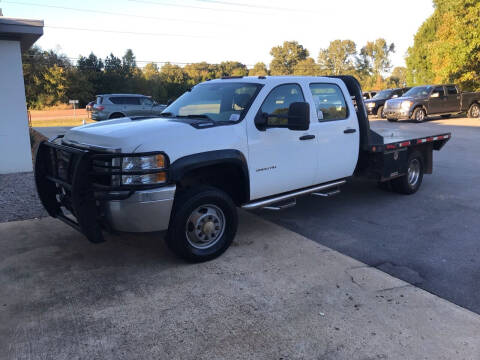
x: 16, y: 35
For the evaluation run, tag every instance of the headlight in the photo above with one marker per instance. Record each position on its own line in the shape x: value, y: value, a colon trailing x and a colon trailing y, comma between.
x: 370, y: 104
x: 144, y: 164
x: 406, y: 105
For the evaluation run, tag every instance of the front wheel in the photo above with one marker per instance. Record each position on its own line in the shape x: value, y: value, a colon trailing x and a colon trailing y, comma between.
x: 410, y: 183
x: 380, y: 113
x: 203, y: 224
x: 474, y: 111
x: 419, y: 115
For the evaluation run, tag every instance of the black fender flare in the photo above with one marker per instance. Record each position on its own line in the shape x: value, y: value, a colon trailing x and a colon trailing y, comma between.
x: 185, y: 164
x: 420, y: 104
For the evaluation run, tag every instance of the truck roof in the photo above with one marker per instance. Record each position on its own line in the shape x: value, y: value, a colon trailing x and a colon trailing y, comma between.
x: 134, y: 95
x: 273, y: 79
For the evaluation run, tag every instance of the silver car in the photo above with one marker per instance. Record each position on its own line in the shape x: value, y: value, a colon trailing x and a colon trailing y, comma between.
x: 111, y: 106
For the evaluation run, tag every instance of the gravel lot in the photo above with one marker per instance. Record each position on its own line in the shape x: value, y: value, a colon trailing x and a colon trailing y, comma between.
x: 19, y: 198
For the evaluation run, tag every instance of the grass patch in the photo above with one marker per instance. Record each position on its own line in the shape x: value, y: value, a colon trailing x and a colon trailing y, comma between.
x: 60, y: 122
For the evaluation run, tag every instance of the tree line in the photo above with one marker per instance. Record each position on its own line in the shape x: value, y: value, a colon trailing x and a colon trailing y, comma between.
x: 446, y: 49
x: 52, y: 78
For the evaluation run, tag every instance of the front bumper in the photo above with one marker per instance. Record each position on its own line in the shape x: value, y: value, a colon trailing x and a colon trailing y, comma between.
x: 144, y: 211
x: 399, y: 114
x: 372, y: 110
x: 75, y: 186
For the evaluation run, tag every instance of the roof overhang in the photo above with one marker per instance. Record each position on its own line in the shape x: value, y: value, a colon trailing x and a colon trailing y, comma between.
x: 23, y: 30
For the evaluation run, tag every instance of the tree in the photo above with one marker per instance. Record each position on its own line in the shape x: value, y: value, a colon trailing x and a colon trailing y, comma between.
x: 338, y: 58
x: 151, y: 71
x: 286, y: 56
x: 447, y: 46
x: 398, y: 78
x: 259, y: 69
x: 374, y: 62
x: 306, y: 67
x: 231, y: 68
x: 199, y: 72
x: 175, y: 80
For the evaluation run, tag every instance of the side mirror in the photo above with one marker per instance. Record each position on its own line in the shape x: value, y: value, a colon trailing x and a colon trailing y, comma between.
x: 394, y: 96
x: 435, y: 95
x: 299, y: 116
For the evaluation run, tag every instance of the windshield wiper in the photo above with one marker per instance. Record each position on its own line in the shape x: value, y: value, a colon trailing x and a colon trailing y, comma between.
x: 167, y: 114
x: 192, y: 116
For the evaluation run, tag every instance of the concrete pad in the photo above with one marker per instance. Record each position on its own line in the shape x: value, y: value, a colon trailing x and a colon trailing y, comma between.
x: 274, y: 294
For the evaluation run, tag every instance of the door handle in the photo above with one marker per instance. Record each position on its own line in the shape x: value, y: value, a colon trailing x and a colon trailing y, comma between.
x: 349, y: 131
x: 307, y: 137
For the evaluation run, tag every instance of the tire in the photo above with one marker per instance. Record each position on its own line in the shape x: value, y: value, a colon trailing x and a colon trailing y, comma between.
x: 410, y: 183
x: 392, y: 120
x: 446, y: 116
x: 200, y: 213
x: 419, y: 115
x: 116, y: 116
x: 474, y: 111
x: 380, y: 113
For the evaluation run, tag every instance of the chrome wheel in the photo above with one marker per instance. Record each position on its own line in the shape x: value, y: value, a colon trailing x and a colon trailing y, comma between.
x: 413, y: 172
x: 475, y: 111
x: 205, y: 226
x: 420, y: 115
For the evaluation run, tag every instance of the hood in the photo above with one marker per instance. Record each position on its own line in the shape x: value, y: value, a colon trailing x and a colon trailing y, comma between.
x: 402, y: 98
x: 126, y: 133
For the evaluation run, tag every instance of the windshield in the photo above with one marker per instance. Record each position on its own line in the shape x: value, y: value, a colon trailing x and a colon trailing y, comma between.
x: 384, y: 94
x: 418, y: 91
x: 218, y: 101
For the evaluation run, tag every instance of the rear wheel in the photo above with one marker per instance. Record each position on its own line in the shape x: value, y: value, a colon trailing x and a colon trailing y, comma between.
x: 380, y: 113
x: 419, y: 115
x: 203, y: 224
x: 116, y: 116
x: 410, y: 183
x: 474, y: 111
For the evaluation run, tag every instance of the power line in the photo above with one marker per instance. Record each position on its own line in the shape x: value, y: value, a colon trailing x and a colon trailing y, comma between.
x: 112, y: 13
x: 249, y: 5
x: 127, y: 32
x: 193, y: 7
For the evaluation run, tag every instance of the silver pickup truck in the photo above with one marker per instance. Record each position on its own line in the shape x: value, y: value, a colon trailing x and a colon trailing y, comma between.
x: 422, y: 101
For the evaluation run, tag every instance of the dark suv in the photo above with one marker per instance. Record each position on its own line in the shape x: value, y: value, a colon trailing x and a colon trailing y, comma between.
x: 422, y: 101
x: 113, y: 106
x: 376, y: 104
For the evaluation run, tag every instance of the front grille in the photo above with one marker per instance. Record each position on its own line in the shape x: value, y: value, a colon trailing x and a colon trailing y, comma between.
x: 392, y: 105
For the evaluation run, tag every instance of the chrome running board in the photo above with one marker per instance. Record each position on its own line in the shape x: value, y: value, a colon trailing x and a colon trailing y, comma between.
x: 269, y: 201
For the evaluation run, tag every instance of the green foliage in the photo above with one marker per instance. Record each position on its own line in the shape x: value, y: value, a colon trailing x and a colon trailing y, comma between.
x: 286, y: 56
x: 259, y: 69
x: 398, y: 78
x: 338, y: 58
x: 447, y: 46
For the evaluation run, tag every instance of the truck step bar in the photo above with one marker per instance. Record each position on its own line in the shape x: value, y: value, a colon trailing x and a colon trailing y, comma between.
x: 269, y: 201
x: 327, y: 194
x: 282, y: 206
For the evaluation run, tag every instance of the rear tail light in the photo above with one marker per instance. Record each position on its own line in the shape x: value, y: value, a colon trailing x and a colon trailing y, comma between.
x: 99, y: 107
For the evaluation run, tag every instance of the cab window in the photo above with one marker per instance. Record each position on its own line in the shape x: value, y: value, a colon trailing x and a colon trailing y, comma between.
x: 279, y: 100
x: 439, y: 90
x: 147, y: 101
x: 452, y: 90
x: 329, y: 102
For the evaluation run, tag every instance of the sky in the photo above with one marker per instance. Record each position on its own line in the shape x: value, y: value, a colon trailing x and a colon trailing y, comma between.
x: 187, y: 31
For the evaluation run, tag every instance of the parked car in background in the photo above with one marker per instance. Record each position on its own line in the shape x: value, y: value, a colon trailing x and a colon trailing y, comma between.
x: 369, y: 94
x: 111, y: 106
x: 89, y: 106
x: 376, y: 104
x: 422, y: 101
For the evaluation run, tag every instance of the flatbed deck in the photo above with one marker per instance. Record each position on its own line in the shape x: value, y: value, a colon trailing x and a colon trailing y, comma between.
x: 392, y: 136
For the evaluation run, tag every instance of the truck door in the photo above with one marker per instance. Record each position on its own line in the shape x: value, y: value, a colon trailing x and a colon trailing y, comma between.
x: 335, y: 124
x: 280, y: 159
x: 147, y: 105
x: 437, y: 103
x: 453, y: 99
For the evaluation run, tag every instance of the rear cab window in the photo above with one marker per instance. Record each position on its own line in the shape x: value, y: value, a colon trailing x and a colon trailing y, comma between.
x: 329, y: 101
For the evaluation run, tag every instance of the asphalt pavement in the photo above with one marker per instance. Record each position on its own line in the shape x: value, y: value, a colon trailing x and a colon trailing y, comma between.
x: 430, y: 239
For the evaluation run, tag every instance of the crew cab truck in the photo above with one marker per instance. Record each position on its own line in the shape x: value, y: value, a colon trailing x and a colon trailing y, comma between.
x: 250, y: 142
x: 422, y: 101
